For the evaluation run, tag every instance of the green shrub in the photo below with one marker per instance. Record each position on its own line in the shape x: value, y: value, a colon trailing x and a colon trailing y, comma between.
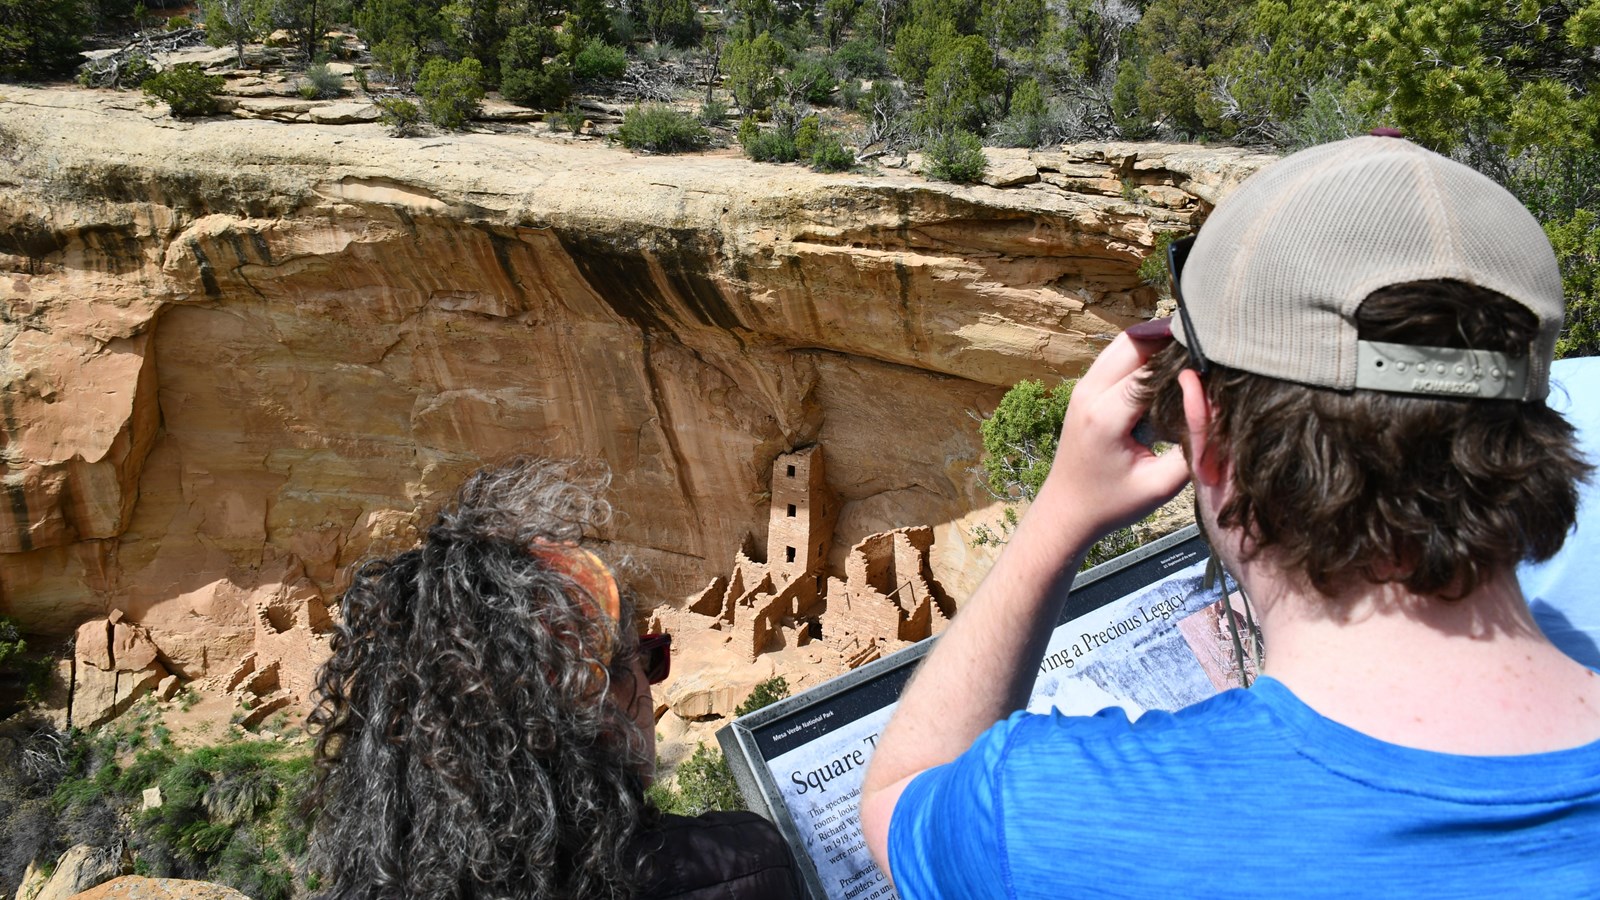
x: 1027, y: 122
x: 836, y: 18
x: 35, y: 673
x: 806, y: 134
x: 548, y: 87
x: 850, y: 93
x: 592, y: 20
x: 525, y: 77
x: 915, y: 46
x: 749, y: 129
x: 671, y: 21
x: 1020, y: 437
x: 451, y: 91
x: 776, y: 145
x: 887, y: 96
x: 713, y: 112
x: 321, y: 82
x: 1177, y: 41
x: 399, y: 58
x: 705, y: 783
x: 831, y: 155
x: 661, y: 129
x: 752, y: 69
x: 860, y: 58
x: 772, y: 146
x: 1153, y: 268
x: 811, y: 80
x: 231, y: 814
x: 236, y: 23
x: 763, y: 695
x: 39, y: 38
x: 144, y: 772
x: 224, y: 814
x: 955, y: 156
x: 962, y: 87
x: 178, y: 23
x: 570, y: 119
x: 12, y: 644
x: 1019, y: 444
x: 1577, y: 244
x: 599, y: 60
x: 401, y: 115
x: 186, y: 89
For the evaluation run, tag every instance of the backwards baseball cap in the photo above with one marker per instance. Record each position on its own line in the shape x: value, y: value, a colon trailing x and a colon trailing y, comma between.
x: 1273, y: 280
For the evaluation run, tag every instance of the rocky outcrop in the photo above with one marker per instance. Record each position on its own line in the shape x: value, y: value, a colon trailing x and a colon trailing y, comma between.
x: 79, y: 869
x: 238, y: 355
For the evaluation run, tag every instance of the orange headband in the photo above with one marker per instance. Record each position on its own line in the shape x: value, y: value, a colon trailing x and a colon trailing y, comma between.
x: 585, y: 570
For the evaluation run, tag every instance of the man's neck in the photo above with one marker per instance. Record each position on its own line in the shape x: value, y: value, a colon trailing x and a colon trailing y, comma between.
x: 1472, y: 676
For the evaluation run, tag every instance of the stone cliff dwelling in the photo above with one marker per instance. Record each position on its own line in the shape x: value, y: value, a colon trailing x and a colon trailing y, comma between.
x: 115, y: 661
x: 887, y: 599
x: 212, y: 419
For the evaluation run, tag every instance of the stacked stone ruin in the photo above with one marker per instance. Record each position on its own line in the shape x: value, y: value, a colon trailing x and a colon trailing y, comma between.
x: 888, y: 598
x: 116, y: 661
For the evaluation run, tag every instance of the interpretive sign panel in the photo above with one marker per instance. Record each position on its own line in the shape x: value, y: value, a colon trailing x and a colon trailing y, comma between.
x: 1140, y: 632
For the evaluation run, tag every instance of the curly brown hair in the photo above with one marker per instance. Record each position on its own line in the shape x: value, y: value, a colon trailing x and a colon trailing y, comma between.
x: 1436, y: 494
x: 466, y: 738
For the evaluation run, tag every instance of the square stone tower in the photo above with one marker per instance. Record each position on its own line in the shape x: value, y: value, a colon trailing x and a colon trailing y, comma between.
x: 803, y: 510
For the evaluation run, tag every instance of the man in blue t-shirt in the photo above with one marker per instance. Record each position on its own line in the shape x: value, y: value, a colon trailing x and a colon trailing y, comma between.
x: 1364, y: 336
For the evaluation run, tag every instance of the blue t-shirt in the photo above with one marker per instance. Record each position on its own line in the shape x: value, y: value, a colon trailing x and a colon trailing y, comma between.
x: 1248, y: 794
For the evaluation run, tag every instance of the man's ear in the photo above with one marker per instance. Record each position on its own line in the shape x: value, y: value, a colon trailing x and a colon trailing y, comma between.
x: 1197, y: 415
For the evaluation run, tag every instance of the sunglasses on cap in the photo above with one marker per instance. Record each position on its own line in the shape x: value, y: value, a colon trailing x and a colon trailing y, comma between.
x: 1177, y: 255
x: 655, y: 652
x: 1160, y: 329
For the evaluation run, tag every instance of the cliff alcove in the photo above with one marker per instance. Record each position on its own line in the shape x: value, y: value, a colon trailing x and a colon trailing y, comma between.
x: 238, y: 355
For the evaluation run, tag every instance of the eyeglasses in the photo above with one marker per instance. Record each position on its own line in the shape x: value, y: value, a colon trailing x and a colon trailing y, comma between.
x: 1177, y: 255
x: 655, y: 651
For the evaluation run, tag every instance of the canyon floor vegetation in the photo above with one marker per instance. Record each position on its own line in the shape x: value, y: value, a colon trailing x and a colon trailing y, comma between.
x: 219, y: 804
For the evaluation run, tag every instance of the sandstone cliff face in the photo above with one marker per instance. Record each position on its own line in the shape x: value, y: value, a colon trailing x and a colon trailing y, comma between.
x: 236, y: 356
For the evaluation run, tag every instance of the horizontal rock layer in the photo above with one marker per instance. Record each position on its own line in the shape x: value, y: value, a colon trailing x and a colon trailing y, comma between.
x: 238, y: 355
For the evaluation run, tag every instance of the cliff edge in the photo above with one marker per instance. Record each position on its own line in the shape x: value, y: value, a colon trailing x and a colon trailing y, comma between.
x: 238, y: 355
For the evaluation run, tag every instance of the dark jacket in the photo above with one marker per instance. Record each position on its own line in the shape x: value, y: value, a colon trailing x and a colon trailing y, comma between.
x: 719, y: 856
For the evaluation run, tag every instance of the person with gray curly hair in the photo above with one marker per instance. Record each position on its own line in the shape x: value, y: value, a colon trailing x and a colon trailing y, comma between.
x: 484, y: 727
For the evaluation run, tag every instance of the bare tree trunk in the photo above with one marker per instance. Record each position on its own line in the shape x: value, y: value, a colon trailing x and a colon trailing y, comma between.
x: 715, y: 54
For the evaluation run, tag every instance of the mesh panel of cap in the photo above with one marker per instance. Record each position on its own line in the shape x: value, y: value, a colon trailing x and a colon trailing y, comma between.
x: 1276, y: 274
